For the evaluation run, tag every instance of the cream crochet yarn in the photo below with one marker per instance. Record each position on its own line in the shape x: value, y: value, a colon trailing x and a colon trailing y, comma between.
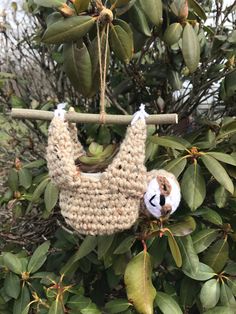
x: 102, y: 204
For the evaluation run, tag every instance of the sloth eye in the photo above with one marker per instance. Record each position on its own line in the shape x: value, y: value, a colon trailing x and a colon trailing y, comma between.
x: 151, y: 199
x: 162, y: 200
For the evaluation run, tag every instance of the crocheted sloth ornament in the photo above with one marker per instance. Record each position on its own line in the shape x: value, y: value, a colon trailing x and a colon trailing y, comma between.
x: 108, y: 202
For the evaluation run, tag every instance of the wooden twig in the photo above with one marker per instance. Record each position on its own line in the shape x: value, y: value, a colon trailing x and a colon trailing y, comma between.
x: 31, y: 114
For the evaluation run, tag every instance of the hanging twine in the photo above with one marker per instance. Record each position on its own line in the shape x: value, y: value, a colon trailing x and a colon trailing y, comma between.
x: 105, y: 16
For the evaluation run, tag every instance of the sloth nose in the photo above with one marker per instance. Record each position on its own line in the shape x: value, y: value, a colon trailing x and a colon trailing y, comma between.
x: 162, y: 200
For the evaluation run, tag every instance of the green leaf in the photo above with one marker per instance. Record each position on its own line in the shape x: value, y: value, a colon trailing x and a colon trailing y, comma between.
x: 221, y: 310
x: 193, y: 4
x: 39, y: 190
x: 226, y: 158
x: 210, y: 215
x: 221, y: 196
x: 13, y: 180
x: 138, y: 283
x: 78, y: 67
x: 217, y: 255
x: 139, y: 20
x: 91, y: 309
x: 228, y: 130
x: 95, y: 149
x: 210, y: 294
x: 189, y: 256
x: 153, y: 10
x: 49, y: 3
x: 117, y: 306
x: 204, y: 273
x: 56, y: 308
x: 203, y: 239
x: 170, y: 141
x: 218, y: 172
x: 167, y: 304
x: 119, y: 3
x: 21, y: 303
x: 12, y: 285
x: 183, y: 227
x: 51, y: 194
x: 193, y: 186
x: 173, y: 34
x: 39, y: 257
x: 35, y: 164
x: 230, y: 269
x: 87, y: 246
x: 25, y: 178
x: 125, y: 245
x: 12, y: 262
x: 174, y: 248
x: 67, y: 30
x: 121, y: 43
x: 190, y: 48
x: 176, y: 166
x: 226, y: 295
x: 81, y: 5
x: 104, y: 243
x: 78, y: 302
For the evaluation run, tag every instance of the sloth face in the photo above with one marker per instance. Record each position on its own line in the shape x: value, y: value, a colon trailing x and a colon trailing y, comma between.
x: 163, y: 194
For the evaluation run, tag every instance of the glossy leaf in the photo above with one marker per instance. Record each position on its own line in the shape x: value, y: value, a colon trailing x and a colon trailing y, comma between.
x: 78, y: 302
x: 12, y: 285
x: 13, y: 180
x: 183, y: 227
x: 173, y: 34
x: 25, y: 178
x: 119, y: 3
x: 139, y: 20
x: 12, y: 262
x: 174, y: 248
x: 78, y: 67
x: 50, y: 3
x: 203, y: 239
x: 176, y: 166
x: 204, y: 273
x: 218, y: 172
x: 210, y: 215
x: 221, y: 196
x: 87, y: 246
x: 217, y: 255
x: 193, y: 186
x: 210, y: 294
x: 81, y: 5
x: 189, y: 256
x: 138, y: 283
x: 226, y: 158
x: 117, y: 306
x: 21, y: 303
x: 104, y: 243
x: 190, y: 48
x: 51, y: 194
x: 226, y: 296
x: 153, y: 10
x: 121, y: 43
x: 167, y: 304
x: 230, y: 268
x: 193, y: 4
x: 221, y: 310
x: 67, y: 30
x: 170, y: 141
x: 39, y: 257
x: 125, y: 245
x: 39, y: 190
x: 56, y: 308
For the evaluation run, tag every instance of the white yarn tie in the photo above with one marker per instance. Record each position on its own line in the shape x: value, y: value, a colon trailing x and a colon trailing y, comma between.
x: 140, y: 115
x: 60, y: 111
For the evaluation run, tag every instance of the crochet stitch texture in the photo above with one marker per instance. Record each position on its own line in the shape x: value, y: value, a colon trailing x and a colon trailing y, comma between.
x: 104, y: 205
